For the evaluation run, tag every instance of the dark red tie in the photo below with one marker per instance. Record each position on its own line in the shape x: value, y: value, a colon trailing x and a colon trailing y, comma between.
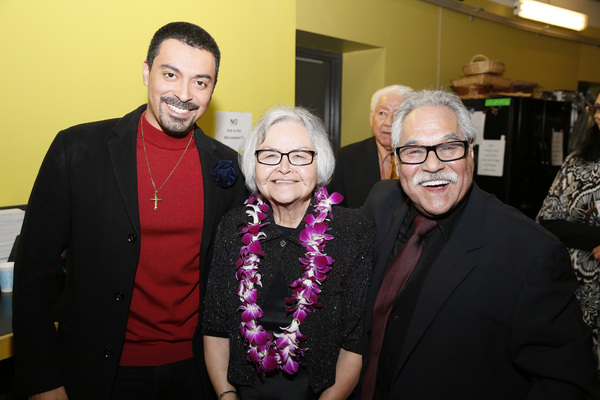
x: 396, y: 276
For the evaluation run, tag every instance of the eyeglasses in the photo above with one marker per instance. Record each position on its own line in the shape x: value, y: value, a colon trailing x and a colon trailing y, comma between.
x: 448, y: 151
x: 295, y: 157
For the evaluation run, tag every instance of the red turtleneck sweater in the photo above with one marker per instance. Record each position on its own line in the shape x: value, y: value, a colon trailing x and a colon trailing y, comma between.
x: 166, y: 296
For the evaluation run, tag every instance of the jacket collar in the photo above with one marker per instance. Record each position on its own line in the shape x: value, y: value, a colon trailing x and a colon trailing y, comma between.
x: 122, y: 149
x: 457, y: 260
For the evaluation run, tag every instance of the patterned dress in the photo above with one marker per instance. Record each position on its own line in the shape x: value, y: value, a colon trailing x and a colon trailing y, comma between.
x: 574, y: 197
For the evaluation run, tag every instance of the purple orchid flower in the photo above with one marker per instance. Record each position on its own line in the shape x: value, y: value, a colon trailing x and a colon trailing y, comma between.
x: 285, y: 352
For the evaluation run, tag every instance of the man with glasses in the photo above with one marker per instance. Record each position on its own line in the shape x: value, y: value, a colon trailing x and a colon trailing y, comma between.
x: 469, y: 298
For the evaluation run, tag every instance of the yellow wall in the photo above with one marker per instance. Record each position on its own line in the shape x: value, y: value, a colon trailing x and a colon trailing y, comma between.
x: 362, y: 71
x: 415, y: 39
x: 69, y: 61
x: 551, y: 62
x: 66, y: 62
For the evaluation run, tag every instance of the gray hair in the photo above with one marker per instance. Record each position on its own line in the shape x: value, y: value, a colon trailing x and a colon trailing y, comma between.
x: 316, y: 131
x: 396, y: 90
x: 432, y: 98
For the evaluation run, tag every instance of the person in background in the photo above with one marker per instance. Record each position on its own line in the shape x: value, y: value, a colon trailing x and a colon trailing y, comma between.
x: 133, y: 203
x: 470, y: 299
x: 360, y: 165
x: 571, y: 211
x: 286, y: 291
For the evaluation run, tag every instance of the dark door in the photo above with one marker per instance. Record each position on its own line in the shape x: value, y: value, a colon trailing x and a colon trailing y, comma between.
x: 319, y: 87
x: 527, y: 125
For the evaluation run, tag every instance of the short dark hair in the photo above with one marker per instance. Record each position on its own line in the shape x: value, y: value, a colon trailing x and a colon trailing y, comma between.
x: 188, y: 33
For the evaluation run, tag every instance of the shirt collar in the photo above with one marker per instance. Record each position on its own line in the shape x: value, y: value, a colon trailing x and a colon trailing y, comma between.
x: 274, y: 231
x: 446, y: 222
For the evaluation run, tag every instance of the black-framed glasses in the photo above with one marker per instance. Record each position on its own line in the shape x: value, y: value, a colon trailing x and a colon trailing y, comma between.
x: 448, y: 151
x: 295, y: 157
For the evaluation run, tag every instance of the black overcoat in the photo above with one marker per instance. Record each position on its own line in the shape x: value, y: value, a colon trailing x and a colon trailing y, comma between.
x: 496, y: 317
x: 356, y: 172
x: 85, y: 201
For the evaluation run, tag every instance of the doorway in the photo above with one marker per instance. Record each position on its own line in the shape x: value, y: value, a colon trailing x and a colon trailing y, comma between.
x: 319, y: 87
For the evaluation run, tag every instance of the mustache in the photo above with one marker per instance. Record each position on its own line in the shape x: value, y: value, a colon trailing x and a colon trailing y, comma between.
x: 178, y: 103
x: 438, y: 176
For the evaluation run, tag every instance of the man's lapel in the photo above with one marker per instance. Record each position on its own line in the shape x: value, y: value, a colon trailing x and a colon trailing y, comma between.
x: 208, y: 158
x: 383, y: 249
x: 456, y: 261
x: 123, y: 156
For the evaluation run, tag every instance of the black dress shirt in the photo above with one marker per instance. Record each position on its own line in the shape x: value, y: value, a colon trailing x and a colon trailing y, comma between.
x: 404, y: 304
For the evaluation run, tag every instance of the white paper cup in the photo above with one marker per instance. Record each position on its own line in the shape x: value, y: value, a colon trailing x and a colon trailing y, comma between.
x: 6, y: 277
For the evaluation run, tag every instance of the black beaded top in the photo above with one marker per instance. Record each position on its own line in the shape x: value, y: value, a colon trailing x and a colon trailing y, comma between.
x: 338, y: 324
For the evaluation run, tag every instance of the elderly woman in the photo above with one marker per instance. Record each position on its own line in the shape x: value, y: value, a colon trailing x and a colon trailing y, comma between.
x: 287, y: 286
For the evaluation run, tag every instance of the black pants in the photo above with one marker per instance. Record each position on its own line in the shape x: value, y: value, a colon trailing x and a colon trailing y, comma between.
x: 176, y: 381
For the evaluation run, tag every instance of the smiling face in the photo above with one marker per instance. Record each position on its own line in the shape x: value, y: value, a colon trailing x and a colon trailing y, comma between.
x: 287, y: 187
x: 435, y: 187
x: 382, y: 118
x: 180, y: 86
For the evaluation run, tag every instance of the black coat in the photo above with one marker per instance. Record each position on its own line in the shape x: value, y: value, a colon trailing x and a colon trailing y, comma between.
x: 356, y: 172
x: 337, y: 324
x: 496, y: 317
x: 85, y: 200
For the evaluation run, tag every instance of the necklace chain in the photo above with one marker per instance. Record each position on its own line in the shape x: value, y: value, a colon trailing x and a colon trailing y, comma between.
x: 155, y: 199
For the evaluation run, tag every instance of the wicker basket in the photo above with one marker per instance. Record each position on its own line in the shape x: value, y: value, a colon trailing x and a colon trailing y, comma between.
x: 496, y: 81
x: 472, y: 91
x: 480, y: 64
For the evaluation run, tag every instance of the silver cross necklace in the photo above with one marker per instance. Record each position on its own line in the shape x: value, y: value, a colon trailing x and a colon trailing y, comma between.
x: 155, y: 199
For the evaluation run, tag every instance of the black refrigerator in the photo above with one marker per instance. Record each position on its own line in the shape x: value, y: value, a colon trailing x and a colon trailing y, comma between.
x: 523, y: 145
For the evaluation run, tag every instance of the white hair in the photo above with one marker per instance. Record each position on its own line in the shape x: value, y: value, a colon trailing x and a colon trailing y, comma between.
x: 396, y: 90
x: 316, y: 131
x: 432, y: 98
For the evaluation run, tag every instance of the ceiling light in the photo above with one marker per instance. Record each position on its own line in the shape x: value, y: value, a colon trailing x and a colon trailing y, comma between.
x: 549, y: 14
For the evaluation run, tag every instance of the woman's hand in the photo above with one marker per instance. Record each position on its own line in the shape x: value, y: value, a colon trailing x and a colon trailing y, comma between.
x: 216, y: 357
x: 596, y: 253
x: 347, y: 372
x: 54, y: 394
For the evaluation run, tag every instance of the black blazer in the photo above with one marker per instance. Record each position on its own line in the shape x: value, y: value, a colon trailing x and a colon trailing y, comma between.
x: 85, y: 200
x: 496, y: 317
x: 356, y: 172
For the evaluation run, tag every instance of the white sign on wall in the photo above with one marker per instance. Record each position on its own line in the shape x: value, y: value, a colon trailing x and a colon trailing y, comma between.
x: 232, y: 128
x: 478, y: 118
x: 491, y: 157
x: 557, y: 147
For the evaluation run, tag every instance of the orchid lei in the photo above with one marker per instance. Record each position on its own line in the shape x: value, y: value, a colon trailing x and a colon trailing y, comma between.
x: 283, y: 351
